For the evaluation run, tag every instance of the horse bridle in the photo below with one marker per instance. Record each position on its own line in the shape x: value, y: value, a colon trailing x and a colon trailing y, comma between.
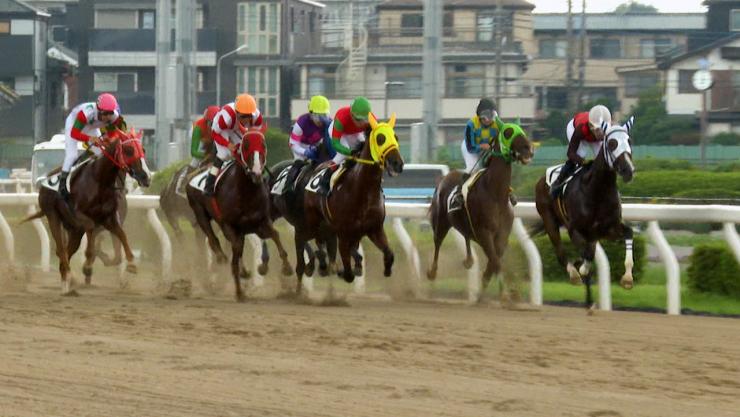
x: 608, y: 156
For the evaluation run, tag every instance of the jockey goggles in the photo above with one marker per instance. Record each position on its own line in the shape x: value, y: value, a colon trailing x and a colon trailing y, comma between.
x: 486, y: 115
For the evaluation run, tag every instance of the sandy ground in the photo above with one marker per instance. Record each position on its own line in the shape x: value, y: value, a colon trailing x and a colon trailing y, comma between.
x: 132, y: 352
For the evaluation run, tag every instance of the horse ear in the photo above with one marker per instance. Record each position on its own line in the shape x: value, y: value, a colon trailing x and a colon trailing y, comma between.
x: 392, y: 120
x: 372, y: 120
x: 498, y: 120
x: 630, y: 123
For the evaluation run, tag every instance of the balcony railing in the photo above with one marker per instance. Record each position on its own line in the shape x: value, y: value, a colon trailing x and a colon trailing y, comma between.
x: 142, y: 40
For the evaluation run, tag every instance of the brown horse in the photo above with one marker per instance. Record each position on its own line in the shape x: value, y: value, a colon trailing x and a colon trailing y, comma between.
x: 591, y: 209
x: 94, y: 202
x: 241, y: 205
x: 355, y: 208
x: 486, y: 217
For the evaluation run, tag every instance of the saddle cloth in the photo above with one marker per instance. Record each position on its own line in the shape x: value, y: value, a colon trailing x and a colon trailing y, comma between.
x: 52, y: 182
x: 552, y: 174
x: 282, y: 180
x: 454, y: 203
x: 199, y: 180
x: 313, y: 184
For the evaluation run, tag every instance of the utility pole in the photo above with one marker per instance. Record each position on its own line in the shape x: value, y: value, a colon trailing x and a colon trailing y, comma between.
x: 432, y: 74
x: 582, y: 56
x: 497, y: 38
x: 162, y: 134
x: 569, y: 59
x: 185, y: 70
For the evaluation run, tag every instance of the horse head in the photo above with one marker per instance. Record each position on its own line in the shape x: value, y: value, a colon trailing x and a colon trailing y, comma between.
x: 384, y: 145
x: 253, y: 154
x: 513, y: 142
x: 126, y: 151
x: 617, y: 149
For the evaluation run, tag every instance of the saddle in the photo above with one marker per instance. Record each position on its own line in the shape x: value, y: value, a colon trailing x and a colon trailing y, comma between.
x: 458, y: 198
x: 314, y: 184
x: 198, y: 180
x: 52, y: 180
x: 553, y: 172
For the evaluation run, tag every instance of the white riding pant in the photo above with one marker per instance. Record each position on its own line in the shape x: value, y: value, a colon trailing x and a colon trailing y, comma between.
x: 350, y: 141
x: 584, y: 145
x: 223, y: 152
x: 71, y: 152
x: 470, y: 158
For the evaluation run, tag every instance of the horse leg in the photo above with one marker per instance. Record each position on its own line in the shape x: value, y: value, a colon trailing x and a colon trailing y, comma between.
x: 264, y: 258
x: 441, y: 227
x: 357, y: 258
x: 321, y: 256
x: 311, y: 265
x: 553, y: 232
x: 300, y: 263
x: 90, y: 252
x: 114, y: 226
x: 588, y: 251
x: 485, y: 240
x: 332, y: 244
x: 237, y: 248
x: 468, y: 262
x: 268, y: 231
x: 380, y: 240
x: 345, y: 252
x: 204, y: 221
x: 57, y: 233
x: 627, y: 281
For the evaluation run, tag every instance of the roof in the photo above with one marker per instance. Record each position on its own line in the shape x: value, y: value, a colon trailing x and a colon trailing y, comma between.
x: 611, y: 21
x: 698, y: 51
x: 20, y: 7
x: 473, y: 4
x: 312, y: 3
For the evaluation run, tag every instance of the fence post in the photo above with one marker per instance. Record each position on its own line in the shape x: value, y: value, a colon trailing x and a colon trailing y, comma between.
x: 44, y: 239
x: 8, y: 238
x: 412, y: 254
x: 732, y: 239
x: 164, y: 241
x: 534, y: 260
x: 673, y: 273
x: 602, y: 268
x: 474, y: 281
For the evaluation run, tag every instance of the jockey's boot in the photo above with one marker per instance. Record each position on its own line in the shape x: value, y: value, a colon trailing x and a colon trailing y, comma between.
x: 325, y: 182
x: 210, y: 187
x: 180, y: 186
x: 295, y: 169
x: 565, y: 172
x: 63, y: 191
x: 459, y: 200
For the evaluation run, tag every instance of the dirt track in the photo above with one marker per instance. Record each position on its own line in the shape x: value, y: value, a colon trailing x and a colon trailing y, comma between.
x: 113, y: 353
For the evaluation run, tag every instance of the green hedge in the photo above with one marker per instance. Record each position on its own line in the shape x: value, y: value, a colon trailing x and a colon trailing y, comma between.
x: 614, y: 251
x: 163, y: 177
x: 714, y: 269
x: 669, y: 183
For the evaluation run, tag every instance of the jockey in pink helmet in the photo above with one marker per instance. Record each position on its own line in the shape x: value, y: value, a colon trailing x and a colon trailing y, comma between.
x: 84, y: 124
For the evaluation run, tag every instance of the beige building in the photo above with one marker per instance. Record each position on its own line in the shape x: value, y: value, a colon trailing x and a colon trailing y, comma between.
x: 620, y: 51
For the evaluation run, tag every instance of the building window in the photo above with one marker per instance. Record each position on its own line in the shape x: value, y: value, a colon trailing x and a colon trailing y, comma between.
x: 685, y: 84
x: 258, y: 27
x: 116, y: 19
x: 200, y: 82
x: 120, y: 82
x: 605, y: 48
x: 465, y: 81
x: 486, y: 22
x: 448, y: 24
x: 735, y: 19
x: 412, y: 24
x: 200, y: 17
x: 649, y: 48
x: 4, y: 26
x: 147, y: 19
x: 553, y: 48
x: 637, y: 83
x: 264, y: 84
x: 321, y: 81
x: 409, y: 75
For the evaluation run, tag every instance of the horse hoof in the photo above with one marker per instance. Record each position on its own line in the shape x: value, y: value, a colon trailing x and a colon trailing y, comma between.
x: 357, y: 271
x: 132, y: 269
x: 71, y: 293
x: 468, y: 263
x: 287, y: 270
x: 387, y: 272
x: 323, y: 270
x: 347, y: 276
x: 575, y: 277
x: 627, y: 284
x: 245, y: 274
x: 240, y: 298
x: 88, y: 280
x: 591, y: 310
x: 262, y: 269
x: 221, y: 259
x: 431, y: 275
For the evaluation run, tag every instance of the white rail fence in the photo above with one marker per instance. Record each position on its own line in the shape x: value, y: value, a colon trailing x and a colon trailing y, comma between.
x: 728, y: 216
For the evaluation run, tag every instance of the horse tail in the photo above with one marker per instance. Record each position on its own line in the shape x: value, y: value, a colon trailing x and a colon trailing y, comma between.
x: 537, y: 229
x: 34, y: 216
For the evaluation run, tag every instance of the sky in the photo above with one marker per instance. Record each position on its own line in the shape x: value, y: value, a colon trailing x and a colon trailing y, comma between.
x: 665, y: 6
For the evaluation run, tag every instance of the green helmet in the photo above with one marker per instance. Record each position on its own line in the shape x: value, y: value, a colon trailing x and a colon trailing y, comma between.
x: 360, y: 108
x: 319, y: 105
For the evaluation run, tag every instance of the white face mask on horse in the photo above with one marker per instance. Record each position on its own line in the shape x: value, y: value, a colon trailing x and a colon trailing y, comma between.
x: 617, y: 148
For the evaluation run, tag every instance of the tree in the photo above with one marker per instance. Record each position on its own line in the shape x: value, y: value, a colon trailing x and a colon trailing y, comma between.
x: 654, y: 126
x: 633, y: 7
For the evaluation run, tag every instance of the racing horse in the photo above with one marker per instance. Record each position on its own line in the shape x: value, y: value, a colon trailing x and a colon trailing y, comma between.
x: 356, y: 207
x: 485, y: 216
x: 241, y: 205
x: 94, y: 202
x: 590, y: 208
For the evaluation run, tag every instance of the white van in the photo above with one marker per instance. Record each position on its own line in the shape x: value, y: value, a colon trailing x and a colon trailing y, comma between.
x: 47, y: 156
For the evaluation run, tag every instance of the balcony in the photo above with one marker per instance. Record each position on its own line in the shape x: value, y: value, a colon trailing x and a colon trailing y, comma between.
x: 454, y: 40
x: 137, y: 47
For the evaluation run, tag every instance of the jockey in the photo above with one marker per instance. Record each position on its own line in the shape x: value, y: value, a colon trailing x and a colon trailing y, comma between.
x: 84, y: 124
x: 228, y: 127
x: 585, y: 130
x: 480, y: 132
x: 201, y: 136
x: 309, y: 131
x: 348, y: 130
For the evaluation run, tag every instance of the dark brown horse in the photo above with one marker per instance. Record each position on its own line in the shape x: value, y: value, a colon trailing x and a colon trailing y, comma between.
x: 241, y: 205
x: 356, y: 206
x: 591, y: 209
x: 486, y: 216
x: 94, y: 202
